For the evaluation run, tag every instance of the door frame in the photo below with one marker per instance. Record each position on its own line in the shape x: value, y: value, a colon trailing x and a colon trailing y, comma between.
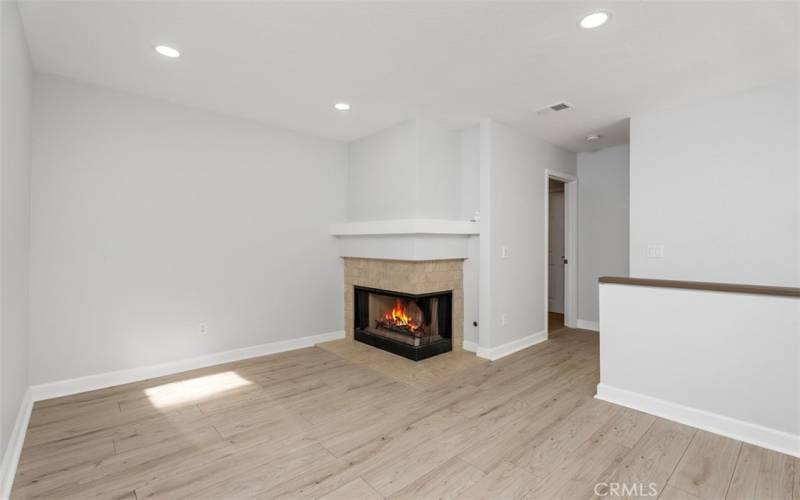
x: 570, y: 246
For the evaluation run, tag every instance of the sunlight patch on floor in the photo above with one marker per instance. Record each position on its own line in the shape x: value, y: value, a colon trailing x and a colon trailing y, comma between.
x: 195, y: 389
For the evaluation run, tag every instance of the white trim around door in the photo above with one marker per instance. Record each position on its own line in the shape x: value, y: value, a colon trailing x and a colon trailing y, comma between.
x: 570, y: 244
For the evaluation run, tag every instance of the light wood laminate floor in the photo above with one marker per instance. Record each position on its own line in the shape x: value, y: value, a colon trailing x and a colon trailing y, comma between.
x: 418, y: 374
x: 312, y: 424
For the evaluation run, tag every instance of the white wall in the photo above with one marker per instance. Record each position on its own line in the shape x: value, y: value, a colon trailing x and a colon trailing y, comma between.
x: 725, y: 362
x: 410, y: 170
x: 149, y: 218
x: 380, y: 167
x: 513, y: 166
x: 438, y: 171
x: 603, y: 224
x: 15, y: 167
x: 717, y: 184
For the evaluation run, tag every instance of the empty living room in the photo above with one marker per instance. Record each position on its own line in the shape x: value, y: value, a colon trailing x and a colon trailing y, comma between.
x: 399, y: 249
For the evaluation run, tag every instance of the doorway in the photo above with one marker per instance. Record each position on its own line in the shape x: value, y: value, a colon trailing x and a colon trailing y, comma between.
x: 556, y: 255
x: 560, y: 252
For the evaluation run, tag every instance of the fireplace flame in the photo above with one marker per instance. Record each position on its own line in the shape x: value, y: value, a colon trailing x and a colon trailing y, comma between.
x: 400, y: 317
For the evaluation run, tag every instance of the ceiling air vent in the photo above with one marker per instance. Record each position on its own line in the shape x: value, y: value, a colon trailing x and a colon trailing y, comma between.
x: 559, y: 106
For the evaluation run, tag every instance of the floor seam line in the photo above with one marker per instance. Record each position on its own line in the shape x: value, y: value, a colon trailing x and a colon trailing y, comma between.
x: 733, y: 472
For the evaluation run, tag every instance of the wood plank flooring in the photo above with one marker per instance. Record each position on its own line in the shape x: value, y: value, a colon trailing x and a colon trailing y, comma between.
x: 314, y: 424
x: 420, y: 374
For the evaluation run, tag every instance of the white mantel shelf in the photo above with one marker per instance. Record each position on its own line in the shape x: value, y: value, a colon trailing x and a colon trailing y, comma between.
x: 405, y: 239
x: 406, y: 227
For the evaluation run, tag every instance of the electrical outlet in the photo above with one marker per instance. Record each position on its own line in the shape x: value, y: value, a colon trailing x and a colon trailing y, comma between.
x: 203, y: 328
x: 655, y: 251
x: 504, y: 319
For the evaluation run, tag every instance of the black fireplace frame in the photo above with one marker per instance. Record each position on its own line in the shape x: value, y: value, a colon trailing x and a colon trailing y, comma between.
x: 414, y: 353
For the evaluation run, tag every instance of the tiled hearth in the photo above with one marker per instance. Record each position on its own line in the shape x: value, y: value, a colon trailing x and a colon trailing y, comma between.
x: 412, y: 277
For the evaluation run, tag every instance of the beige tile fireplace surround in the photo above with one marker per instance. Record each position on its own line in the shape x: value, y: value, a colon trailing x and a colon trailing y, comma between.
x: 407, y: 277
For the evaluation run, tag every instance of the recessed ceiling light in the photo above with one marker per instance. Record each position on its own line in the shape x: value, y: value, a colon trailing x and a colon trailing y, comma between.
x: 342, y: 106
x: 167, y: 51
x: 594, y: 20
x: 593, y: 137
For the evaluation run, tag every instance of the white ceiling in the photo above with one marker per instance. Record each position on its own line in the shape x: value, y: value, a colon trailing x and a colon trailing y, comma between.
x: 285, y: 64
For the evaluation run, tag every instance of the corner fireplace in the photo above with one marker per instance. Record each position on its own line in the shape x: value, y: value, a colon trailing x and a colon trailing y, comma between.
x: 415, y: 326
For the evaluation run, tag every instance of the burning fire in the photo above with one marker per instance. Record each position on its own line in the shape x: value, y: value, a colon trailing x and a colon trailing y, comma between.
x: 399, y: 317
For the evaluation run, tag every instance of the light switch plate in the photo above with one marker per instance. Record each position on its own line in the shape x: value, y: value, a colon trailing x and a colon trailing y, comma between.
x: 503, y: 252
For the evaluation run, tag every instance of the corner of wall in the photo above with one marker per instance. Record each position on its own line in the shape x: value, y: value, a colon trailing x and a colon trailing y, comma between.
x: 16, y: 81
x: 485, y: 247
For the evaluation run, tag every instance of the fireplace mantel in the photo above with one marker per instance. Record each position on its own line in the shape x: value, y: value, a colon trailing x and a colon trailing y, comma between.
x: 405, y: 239
x: 405, y: 227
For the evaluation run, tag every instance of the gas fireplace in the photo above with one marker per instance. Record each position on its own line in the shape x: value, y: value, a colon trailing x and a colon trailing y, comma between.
x: 413, y: 326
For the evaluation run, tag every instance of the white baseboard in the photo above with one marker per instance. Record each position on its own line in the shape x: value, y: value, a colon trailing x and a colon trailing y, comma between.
x: 494, y: 353
x: 8, y: 469
x: 758, y: 435
x: 469, y: 346
x: 110, y: 379
x: 589, y: 325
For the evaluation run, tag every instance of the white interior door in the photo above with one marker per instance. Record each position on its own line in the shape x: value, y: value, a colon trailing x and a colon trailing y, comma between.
x: 555, y: 258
